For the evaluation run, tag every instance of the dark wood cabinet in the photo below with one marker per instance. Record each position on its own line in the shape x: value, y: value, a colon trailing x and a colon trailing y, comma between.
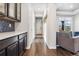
x: 13, y: 46
x: 25, y: 42
x: 10, y: 11
x: 12, y: 50
x: 14, y: 11
x: 2, y: 52
x: 21, y: 44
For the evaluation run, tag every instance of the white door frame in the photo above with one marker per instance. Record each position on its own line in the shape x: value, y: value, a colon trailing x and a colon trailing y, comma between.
x: 36, y: 18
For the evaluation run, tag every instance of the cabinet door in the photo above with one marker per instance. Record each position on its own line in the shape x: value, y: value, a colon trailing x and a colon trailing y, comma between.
x: 21, y: 44
x: 2, y: 52
x: 12, y: 50
x: 25, y: 42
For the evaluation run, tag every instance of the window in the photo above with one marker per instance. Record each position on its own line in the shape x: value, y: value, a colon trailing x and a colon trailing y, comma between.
x: 64, y: 23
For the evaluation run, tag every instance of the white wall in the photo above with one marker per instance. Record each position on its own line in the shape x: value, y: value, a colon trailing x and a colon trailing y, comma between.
x: 76, y: 23
x: 22, y: 26
x: 51, y: 26
x: 31, y: 20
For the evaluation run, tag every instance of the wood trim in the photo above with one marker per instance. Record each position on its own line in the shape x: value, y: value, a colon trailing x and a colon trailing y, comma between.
x: 15, y: 10
x: 13, y: 42
x: 6, y: 15
x: 7, y: 9
x: 7, y: 18
x: 19, y: 20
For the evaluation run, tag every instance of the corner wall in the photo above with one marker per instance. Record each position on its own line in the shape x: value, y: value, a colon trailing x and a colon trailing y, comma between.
x: 51, y: 26
x: 31, y: 21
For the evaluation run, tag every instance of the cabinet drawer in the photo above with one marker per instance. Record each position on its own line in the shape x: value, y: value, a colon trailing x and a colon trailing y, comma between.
x: 8, y: 41
x: 2, y: 52
x: 12, y: 50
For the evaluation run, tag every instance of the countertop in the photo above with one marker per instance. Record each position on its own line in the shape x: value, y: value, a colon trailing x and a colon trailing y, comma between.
x: 5, y: 35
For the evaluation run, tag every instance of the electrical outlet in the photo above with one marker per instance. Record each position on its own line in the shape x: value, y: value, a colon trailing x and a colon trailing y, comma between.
x: 10, y: 25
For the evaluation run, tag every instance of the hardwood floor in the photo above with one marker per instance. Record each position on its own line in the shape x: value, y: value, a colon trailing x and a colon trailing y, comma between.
x: 39, y: 48
x: 64, y: 52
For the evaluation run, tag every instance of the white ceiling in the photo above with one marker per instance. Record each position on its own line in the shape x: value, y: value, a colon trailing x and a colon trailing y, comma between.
x: 67, y: 6
x: 39, y: 5
x: 39, y: 8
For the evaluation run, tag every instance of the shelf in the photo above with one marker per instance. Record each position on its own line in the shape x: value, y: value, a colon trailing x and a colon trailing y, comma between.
x: 4, y: 17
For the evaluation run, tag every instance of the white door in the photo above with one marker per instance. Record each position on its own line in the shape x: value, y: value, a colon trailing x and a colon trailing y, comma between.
x: 38, y: 25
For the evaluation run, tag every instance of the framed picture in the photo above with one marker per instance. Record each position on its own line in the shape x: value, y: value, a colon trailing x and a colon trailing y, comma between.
x: 3, y: 8
x: 18, y: 11
x: 11, y: 10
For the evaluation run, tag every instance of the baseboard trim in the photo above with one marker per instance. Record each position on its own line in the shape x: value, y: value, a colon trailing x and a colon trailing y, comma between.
x: 51, y: 47
x: 28, y: 47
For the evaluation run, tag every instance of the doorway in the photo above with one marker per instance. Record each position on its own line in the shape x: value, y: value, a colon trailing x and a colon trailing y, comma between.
x: 38, y: 27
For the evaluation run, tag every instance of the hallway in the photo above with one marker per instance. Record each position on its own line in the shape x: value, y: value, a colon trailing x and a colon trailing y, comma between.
x: 39, y: 48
